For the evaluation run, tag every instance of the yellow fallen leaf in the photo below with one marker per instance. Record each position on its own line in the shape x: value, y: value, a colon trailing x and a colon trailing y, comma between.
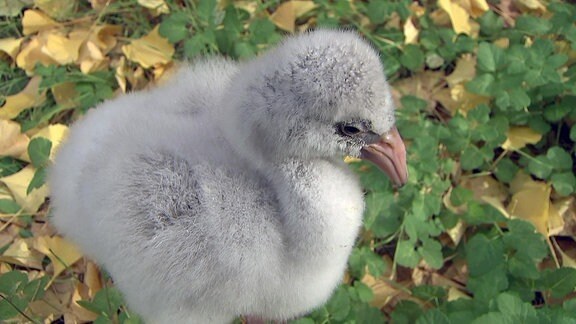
x: 159, y: 6
x: 12, y: 142
x: 410, y: 32
x: 32, y: 54
x: 100, y: 40
x: 465, y: 99
x: 10, y: 46
x: 455, y: 293
x: 350, y: 159
x: 518, y: 136
x: 92, y: 278
x: 120, y: 74
x: 383, y: 292
x: 458, y: 16
x: 485, y: 186
x: 29, y: 97
x: 562, y: 217
x: 163, y: 74
x: 464, y: 71
x: 535, y: 5
x: 35, y: 20
x: 555, y: 221
x: 18, y: 182
x: 417, y: 9
x: 286, y: 14
x: 20, y: 253
x: 457, y: 232
x: 502, y: 42
x: 61, y: 252
x: 64, y: 49
x: 99, y: 4
x: 56, y: 8
x: 532, y: 203
x: 104, y: 36
x: 149, y: 50
x: 81, y: 314
x: 475, y: 8
x: 65, y: 94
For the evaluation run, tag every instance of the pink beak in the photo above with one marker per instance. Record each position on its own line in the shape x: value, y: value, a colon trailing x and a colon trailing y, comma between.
x: 389, y: 154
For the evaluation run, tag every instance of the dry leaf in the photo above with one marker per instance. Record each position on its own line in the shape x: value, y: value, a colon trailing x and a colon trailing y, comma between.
x: 502, y: 42
x: 158, y: 6
x: 81, y: 314
x: 475, y: 8
x: 417, y: 9
x: 127, y: 76
x: 62, y: 253
x: 10, y: 46
x: 149, y: 50
x: 518, y: 136
x: 21, y: 253
x: 64, y: 49
x: 12, y: 142
x: 10, y: 232
x: 464, y: 71
x: 383, y: 292
x: 455, y: 293
x: 164, y: 73
x: 285, y: 16
x: 99, y: 4
x: 56, y: 8
x: 562, y: 219
x: 350, y: 159
x: 35, y: 20
x: 424, y: 85
x: 65, y: 94
x: 100, y: 41
x: 104, y: 36
x: 32, y: 54
x: 29, y: 97
x: 55, y: 301
x: 410, y: 32
x: 555, y: 221
x: 465, y: 99
x: 18, y: 182
x: 458, y: 16
x: 534, y: 5
x: 92, y: 278
x: 531, y: 202
x: 485, y: 186
x: 457, y: 232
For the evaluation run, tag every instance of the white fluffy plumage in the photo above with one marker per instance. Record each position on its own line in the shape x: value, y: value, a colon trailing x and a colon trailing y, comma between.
x: 224, y: 193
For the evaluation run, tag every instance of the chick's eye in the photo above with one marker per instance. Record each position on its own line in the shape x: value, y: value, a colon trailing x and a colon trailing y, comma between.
x: 348, y: 130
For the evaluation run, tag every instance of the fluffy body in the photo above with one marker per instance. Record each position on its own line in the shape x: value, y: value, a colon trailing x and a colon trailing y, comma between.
x: 224, y: 192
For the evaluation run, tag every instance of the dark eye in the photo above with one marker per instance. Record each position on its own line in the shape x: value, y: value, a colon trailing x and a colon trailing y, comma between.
x: 349, y: 130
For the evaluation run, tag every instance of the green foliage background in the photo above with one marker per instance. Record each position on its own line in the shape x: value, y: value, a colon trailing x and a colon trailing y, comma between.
x: 530, y: 82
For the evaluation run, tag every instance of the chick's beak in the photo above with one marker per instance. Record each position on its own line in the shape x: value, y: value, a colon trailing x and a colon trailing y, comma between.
x: 389, y: 154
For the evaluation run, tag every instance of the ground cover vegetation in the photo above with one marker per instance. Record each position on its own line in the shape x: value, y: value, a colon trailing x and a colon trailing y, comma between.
x: 484, y: 232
